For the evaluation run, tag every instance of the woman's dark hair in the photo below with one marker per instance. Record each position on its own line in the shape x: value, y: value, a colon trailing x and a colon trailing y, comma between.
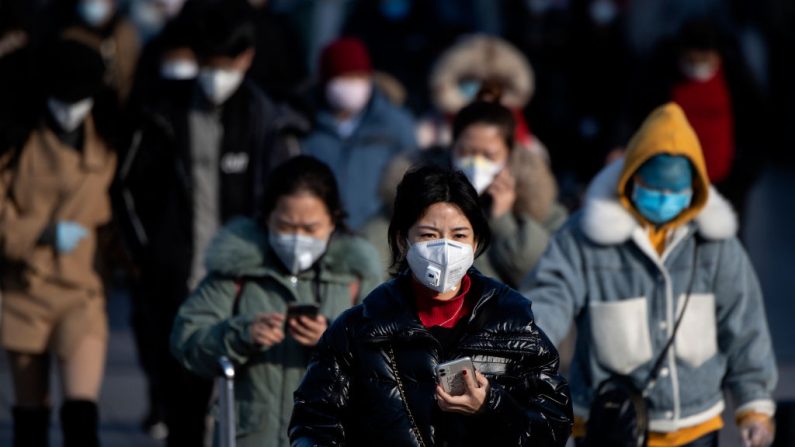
x: 304, y: 174
x: 423, y: 187
x: 486, y: 112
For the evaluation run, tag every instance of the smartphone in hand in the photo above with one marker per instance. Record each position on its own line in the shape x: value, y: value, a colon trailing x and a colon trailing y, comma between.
x: 298, y: 310
x: 451, y: 375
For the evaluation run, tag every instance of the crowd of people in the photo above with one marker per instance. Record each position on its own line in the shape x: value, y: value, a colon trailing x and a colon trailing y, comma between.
x: 340, y: 196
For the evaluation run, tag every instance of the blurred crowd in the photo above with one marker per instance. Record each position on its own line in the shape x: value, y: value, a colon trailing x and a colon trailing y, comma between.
x: 157, y: 142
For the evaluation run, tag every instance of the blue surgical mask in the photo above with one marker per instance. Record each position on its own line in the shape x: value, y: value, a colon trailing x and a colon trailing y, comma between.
x: 469, y: 89
x: 660, y: 207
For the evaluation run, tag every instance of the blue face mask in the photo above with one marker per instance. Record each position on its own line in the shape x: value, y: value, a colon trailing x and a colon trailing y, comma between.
x: 660, y: 207
x: 469, y: 89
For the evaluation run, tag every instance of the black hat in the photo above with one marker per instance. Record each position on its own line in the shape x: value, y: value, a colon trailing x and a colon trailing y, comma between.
x: 74, y: 70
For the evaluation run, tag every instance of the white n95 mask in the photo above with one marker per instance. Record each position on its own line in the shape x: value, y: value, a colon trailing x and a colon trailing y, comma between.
x: 296, y: 251
x: 70, y: 115
x: 440, y: 264
x: 219, y: 84
x: 479, y: 170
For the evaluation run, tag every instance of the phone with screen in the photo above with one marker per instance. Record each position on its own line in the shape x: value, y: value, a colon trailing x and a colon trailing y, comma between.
x: 297, y: 310
x: 451, y: 375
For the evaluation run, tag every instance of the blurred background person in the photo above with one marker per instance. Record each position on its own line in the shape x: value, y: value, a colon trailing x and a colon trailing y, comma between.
x: 358, y: 131
x: 279, y: 65
x: 167, y: 68
x: 98, y: 23
x: 298, y: 253
x: 516, y: 187
x: 164, y: 90
x: 702, y: 71
x: 479, y: 63
x: 55, y: 197
x: 405, y: 36
x: 191, y: 166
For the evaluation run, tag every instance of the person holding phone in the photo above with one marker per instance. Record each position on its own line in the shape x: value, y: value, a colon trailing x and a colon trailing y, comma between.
x: 375, y: 376
x: 273, y: 287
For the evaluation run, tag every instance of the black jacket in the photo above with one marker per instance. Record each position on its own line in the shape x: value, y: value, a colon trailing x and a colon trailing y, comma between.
x: 156, y: 203
x: 350, y: 395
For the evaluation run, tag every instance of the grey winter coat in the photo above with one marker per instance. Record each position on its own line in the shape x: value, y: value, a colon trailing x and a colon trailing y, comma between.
x: 602, y: 272
x: 242, y: 268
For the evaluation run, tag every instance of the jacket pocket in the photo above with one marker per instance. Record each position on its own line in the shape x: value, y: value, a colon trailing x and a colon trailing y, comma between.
x: 620, y: 332
x: 697, y: 338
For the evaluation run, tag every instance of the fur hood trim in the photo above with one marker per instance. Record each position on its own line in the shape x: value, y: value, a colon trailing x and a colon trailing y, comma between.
x: 605, y: 221
x: 481, y: 57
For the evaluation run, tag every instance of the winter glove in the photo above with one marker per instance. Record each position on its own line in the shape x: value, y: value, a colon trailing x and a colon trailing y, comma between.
x: 756, y: 430
x: 68, y: 235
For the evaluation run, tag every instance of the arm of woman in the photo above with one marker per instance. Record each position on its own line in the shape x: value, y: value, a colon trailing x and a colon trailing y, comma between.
x: 204, y: 329
x: 323, y: 396
x: 518, y: 244
x: 537, y: 411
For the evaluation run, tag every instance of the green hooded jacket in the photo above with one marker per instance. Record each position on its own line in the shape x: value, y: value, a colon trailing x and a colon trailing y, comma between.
x: 246, y: 278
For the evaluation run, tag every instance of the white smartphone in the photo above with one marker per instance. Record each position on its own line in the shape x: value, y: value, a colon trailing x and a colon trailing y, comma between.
x: 451, y: 375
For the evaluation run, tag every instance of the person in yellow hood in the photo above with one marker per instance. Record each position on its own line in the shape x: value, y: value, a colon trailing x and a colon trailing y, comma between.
x: 654, y: 238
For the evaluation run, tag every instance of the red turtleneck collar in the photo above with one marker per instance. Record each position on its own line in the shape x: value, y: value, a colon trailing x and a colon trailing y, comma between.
x: 433, y: 312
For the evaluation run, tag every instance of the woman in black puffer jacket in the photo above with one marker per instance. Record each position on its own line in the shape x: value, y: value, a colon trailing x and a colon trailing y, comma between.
x: 373, y: 380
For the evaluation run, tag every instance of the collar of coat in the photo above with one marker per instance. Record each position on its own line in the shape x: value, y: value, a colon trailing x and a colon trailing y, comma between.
x: 499, y: 312
x: 606, y: 222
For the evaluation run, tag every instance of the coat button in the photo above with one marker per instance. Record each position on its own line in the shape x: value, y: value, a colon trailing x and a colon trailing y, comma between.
x: 663, y: 325
x: 664, y: 372
x: 669, y: 415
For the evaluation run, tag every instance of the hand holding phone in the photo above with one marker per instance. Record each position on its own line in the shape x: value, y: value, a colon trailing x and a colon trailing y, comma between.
x: 305, y: 324
x: 461, y: 388
x: 450, y: 375
x: 266, y: 329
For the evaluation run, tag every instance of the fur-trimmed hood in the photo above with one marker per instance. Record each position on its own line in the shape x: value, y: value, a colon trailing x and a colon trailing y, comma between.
x: 607, y: 222
x: 485, y: 58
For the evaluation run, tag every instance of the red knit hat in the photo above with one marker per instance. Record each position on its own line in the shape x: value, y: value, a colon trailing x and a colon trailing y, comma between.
x: 344, y: 55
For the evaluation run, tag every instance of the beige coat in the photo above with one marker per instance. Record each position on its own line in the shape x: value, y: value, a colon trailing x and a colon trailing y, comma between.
x: 52, y: 182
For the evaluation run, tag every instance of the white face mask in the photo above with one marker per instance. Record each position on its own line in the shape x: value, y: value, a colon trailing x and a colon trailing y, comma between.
x: 219, y: 84
x: 440, y: 264
x: 179, y: 69
x: 297, y: 252
x: 95, y: 12
x: 479, y: 170
x: 69, y: 116
x: 702, y: 71
x: 349, y: 94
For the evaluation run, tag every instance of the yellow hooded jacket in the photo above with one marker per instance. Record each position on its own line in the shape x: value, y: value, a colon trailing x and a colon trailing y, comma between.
x: 665, y: 131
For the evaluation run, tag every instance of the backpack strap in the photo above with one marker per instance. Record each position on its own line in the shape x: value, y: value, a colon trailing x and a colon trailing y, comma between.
x: 240, y: 284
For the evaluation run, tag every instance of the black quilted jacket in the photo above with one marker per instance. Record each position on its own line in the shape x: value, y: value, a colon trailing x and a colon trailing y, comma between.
x: 351, y: 394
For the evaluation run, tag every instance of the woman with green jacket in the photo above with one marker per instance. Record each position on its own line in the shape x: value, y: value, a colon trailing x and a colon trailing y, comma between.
x: 298, y: 254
